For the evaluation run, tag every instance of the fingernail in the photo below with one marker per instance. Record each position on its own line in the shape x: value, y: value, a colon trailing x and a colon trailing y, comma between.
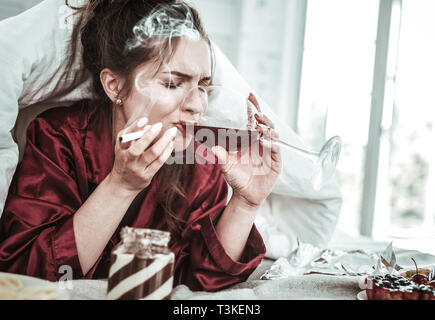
x: 172, y: 132
x: 157, y: 127
x: 142, y: 122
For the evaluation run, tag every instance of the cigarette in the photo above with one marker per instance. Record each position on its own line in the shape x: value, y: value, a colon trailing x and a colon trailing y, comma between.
x: 132, y: 136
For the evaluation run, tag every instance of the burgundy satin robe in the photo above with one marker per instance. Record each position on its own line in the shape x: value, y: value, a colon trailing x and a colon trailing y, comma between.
x: 68, y: 153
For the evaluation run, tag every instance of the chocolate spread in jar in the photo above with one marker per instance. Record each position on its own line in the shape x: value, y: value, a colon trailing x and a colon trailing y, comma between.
x: 141, y: 266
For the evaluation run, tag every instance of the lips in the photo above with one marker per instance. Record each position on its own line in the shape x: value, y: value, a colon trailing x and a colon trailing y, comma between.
x: 181, y: 126
x: 188, y: 123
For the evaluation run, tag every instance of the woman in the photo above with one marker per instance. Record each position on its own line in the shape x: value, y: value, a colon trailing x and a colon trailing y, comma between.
x: 78, y: 185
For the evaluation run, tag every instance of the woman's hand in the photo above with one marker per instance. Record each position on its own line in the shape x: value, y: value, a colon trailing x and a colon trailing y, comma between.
x: 137, y: 162
x: 135, y: 165
x: 252, y: 172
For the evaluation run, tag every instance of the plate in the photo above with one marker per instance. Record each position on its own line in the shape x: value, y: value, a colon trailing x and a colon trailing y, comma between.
x: 362, y: 295
x: 28, y: 281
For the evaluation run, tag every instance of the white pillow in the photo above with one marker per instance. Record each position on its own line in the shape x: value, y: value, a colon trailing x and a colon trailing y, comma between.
x: 33, y: 48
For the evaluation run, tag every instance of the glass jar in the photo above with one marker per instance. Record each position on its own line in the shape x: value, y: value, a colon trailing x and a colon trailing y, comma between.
x: 141, y: 266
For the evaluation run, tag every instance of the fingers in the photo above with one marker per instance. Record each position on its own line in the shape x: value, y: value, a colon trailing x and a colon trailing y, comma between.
x: 254, y: 101
x: 267, y: 132
x: 220, y: 153
x: 137, y: 162
x: 266, y: 127
x: 272, y: 150
x: 160, y: 146
x: 222, y: 157
x: 263, y: 119
x: 268, y: 139
x: 272, y: 153
x: 136, y: 126
x: 155, y: 166
x: 138, y: 147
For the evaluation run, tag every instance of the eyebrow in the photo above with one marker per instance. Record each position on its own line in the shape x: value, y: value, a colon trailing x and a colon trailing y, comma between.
x: 186, y: 76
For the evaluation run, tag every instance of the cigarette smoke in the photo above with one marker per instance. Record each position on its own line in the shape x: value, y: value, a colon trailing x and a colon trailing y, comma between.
x: 162, y: 26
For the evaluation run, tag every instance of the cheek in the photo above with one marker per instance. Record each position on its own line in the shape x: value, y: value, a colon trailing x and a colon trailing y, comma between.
x: 156, y: 107
x: 163, y: 111
x: 137, y: 106
x: 164, y: 105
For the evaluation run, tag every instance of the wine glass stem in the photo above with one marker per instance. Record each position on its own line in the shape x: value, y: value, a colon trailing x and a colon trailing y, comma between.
x: 305, y: 153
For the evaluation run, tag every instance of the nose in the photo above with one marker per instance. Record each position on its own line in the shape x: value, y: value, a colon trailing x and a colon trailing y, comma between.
x: 195, y: 103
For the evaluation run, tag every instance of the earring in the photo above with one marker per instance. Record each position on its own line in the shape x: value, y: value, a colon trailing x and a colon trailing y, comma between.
x: 118, y: 102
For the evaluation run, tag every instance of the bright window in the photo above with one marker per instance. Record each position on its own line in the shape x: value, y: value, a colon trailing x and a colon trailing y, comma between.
x: 337, y: 77
x: 405, y: 206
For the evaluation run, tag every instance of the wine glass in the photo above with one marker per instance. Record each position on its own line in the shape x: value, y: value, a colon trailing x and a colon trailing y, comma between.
x: 225, y: 117
x: 228, y: 120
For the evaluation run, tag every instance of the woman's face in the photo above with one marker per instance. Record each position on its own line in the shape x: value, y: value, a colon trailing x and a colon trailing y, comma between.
x: 174, y: 93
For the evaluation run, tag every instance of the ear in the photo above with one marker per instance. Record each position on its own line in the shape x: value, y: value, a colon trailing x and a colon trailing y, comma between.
x: 112, y: 83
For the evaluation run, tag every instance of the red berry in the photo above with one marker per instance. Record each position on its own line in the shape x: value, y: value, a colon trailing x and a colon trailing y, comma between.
x: 420, y: 278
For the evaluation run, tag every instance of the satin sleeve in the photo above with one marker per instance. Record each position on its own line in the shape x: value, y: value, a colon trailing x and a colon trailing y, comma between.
x: 37, y: 235
x: 201, y: 260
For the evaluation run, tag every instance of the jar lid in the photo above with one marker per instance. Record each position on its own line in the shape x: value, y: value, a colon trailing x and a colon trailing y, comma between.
x: 144, y: 241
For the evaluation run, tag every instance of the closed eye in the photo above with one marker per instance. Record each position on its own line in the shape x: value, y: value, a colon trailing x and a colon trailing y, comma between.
x: 171, y: 85
x: 205, y: 82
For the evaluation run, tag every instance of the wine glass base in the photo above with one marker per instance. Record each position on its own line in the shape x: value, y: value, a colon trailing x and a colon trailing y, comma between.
x: 326, y: 162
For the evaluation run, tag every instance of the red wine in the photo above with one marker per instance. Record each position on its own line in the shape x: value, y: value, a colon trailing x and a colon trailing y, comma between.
x: 228, y: 138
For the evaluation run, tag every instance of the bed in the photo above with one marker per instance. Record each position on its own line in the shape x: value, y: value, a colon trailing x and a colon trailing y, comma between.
x: 302, y: 287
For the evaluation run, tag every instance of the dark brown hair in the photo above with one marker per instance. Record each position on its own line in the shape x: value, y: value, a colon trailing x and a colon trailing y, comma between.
x: 104, y: 28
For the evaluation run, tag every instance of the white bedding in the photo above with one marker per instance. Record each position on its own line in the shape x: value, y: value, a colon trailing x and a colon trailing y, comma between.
x: 311, y: 287
x: 33, y: 47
